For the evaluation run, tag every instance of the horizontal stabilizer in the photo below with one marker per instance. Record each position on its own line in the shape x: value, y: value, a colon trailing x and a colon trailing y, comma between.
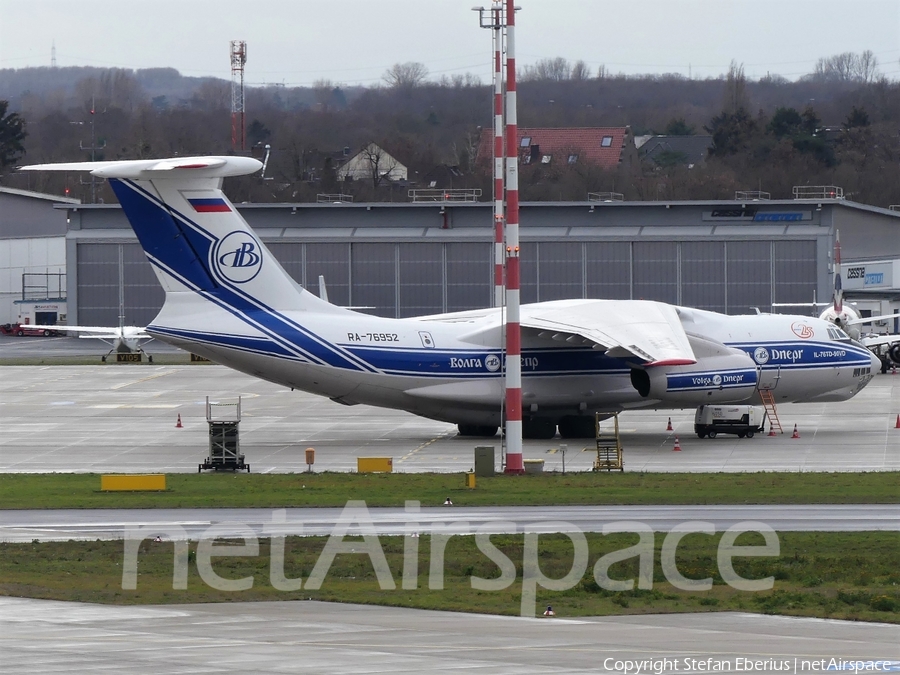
x: 183, y: 168
x: 108, y: 332
x: 870, y: 319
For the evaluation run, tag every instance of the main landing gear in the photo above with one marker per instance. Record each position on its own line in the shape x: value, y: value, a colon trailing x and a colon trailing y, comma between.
x: 539, y: 428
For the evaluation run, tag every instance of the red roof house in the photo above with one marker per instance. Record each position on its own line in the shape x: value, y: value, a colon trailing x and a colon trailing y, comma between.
x: 607, y: 147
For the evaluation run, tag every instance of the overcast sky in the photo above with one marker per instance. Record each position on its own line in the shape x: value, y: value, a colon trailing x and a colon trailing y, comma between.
x: 296, y: 42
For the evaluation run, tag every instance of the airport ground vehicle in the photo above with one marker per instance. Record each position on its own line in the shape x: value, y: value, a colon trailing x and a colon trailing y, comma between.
x: 742, y: 420
x: 21, y: 329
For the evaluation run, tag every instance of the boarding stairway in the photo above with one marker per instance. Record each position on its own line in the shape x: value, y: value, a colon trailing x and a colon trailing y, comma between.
x: 609, y: 446
x: 768, y: 400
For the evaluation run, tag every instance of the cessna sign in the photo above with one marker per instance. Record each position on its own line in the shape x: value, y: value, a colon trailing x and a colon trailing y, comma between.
x: 868, y: 276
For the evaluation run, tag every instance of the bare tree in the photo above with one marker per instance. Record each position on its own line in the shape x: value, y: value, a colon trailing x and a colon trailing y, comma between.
x: 212, y: 95
x: 580, y: 71
x: 405, y: 75
x: 557, y: 69
x: 735, y: 89
x: 322, y: 91
x: 458, y: 81
x: 846, y: 67
x: 865, y: 66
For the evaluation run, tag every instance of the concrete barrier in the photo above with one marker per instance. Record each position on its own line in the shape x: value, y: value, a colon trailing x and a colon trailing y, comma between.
x: 533, y: 465
x: 374, y: 464
x: 111, y: 482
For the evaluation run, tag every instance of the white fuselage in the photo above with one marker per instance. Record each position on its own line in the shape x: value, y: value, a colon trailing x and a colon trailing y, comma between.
x: 451, y: 367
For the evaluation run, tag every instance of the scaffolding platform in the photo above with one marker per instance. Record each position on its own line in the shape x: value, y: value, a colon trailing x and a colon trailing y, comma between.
x: 224, y: 438
x: 609, y: 445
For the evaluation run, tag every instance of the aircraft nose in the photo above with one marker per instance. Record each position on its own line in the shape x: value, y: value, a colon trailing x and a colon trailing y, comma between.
x: 876, y: 363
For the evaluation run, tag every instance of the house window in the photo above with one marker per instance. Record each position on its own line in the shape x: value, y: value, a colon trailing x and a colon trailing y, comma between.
x: 606, y: 142
x: 526, y: 141
x: 546, y: 159
x: 573, y: 159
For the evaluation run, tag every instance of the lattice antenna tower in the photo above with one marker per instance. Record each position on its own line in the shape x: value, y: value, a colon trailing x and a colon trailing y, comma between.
x: 238, y: 127
x: 53, y: 54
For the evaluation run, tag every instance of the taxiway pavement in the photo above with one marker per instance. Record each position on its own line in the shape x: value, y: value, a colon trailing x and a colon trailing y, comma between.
x: 122, y: 418
x: 315, y: 637
x: 191, y: 523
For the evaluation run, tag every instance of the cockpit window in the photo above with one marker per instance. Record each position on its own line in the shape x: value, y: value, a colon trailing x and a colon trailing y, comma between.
x: 838, y: 335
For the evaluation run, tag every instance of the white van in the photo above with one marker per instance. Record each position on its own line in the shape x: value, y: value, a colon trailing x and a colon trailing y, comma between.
x: 743, y: 420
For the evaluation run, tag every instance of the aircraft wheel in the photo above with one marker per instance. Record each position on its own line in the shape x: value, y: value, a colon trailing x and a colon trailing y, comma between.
x: 573, y: 426
x: 712, y: 434
x: 750, y: 433
x: 538, y: 428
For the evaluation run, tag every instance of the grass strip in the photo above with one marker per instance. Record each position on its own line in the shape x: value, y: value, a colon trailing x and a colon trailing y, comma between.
x: 821, y: 574
x: 65, y: 491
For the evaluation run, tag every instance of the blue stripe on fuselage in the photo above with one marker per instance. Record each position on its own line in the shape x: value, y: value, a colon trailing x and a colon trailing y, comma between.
x: 804, y: 354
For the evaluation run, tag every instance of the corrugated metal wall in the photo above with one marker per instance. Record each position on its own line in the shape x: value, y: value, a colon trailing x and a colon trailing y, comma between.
x: 401, y: 279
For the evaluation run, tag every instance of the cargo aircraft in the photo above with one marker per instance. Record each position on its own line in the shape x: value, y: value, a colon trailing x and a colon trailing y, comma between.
x: 228, y: 299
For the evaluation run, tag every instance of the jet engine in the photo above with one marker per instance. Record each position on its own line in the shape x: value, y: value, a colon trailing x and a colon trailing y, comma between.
x: 721, y: 375
x: 894, y: 353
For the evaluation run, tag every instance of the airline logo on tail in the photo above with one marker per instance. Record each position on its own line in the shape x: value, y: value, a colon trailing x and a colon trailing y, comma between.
x: 237, y: 257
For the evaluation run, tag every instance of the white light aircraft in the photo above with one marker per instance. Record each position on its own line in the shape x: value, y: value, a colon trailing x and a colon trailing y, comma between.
x: 122, y: 340
x: 228, y: 299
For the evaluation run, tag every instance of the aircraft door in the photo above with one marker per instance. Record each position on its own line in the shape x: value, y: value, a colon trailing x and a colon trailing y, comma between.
x: 768, y: 378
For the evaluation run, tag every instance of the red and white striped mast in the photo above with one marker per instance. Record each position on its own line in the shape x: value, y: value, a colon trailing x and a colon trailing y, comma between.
x: 499, y: 254
x: 514, y: 463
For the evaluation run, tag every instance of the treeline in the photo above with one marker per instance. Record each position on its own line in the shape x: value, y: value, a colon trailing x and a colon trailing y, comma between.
x: 839, y: 125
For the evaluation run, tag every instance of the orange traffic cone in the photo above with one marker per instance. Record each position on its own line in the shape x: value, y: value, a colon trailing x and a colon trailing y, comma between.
x: 669, y: 427
x: 897, y: 426
x: 771, y: 429
x: 178, y: 424
x: 796, y: 433
x: 677, y: 447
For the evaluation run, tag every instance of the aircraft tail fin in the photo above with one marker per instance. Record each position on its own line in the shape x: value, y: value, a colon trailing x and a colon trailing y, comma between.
x: 193, y: 236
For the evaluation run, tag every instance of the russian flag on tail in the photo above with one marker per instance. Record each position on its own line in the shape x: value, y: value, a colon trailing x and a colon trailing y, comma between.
x: 214, y: 205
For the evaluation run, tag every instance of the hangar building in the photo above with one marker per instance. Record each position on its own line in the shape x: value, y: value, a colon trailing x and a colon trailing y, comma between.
x: 32, y: 254
x: 423, y: 258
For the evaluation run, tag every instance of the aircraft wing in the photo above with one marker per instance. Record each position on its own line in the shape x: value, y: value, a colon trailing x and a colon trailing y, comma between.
x: 649, y: 331
x: 875, y: 340
x: 870, y: 319
x: 104, y: 332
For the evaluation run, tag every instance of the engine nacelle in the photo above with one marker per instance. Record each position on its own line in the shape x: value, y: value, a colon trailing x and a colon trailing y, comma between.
x: 894, y: 353
x: 721, y: 375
